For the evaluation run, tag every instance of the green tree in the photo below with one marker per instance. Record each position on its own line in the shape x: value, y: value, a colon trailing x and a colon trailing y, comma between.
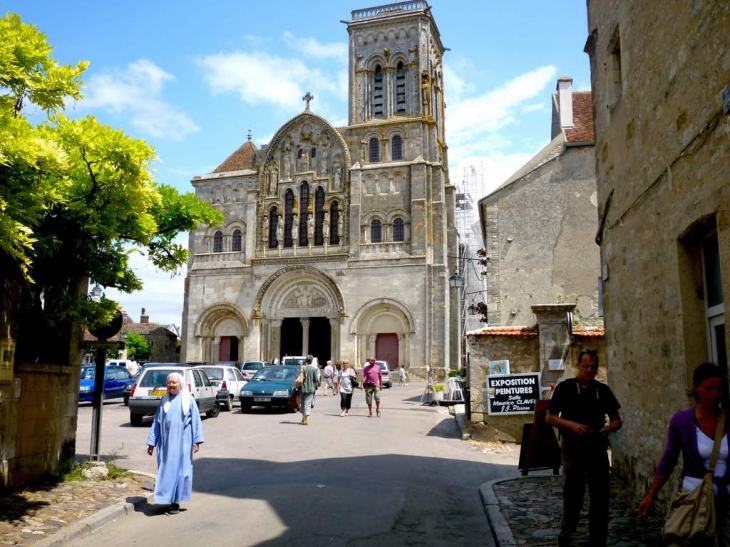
x: 137, y: 346
x: 76, y: 199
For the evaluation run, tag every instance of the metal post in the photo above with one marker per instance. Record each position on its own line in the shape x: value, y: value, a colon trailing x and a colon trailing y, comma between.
x: 98, y: 402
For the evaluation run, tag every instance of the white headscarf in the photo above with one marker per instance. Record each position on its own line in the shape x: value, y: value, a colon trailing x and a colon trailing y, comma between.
x: 184, y: 393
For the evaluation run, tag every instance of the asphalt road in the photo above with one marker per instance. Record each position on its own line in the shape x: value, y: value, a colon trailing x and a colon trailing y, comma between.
x: 263, y: 479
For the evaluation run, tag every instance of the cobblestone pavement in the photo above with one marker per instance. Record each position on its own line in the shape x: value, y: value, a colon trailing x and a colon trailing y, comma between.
x: 533, y: 507
x: 34, y: 514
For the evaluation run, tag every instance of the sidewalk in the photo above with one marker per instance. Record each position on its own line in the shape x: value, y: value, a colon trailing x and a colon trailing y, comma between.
x: 53, y: 514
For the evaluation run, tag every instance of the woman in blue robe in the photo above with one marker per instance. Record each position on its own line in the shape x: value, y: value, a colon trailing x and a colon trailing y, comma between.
x: 177, y: 432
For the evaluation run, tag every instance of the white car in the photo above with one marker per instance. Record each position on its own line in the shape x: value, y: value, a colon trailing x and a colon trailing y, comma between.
x: 229, y: 381
x: 151, y: 386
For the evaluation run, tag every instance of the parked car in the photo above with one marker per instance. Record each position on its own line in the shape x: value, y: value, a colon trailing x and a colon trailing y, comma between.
x: 151, y: 386
x: 250, y: 368
x: 270, y: 387
x: 385, y: 373
x: 229, y: 381
x: 230, y: 363
x: 115, y: 384
x: 299, y: 360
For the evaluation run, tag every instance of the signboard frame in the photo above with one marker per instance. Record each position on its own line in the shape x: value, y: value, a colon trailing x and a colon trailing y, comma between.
x: 491, y: 398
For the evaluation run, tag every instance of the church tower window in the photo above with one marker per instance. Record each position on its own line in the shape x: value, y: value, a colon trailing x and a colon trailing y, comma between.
x: 378, y: 93
x: 236, y: 241
x: 374, y: 150
x: 334, y: 223
x: 318, y: 216
x: 398, y: 230
x: 376, y: 232
x: 273, y: 226
x: 218, y: 242
x: 396, y: 150
x: 303, y: 207
x: 288, y: 218
x: 400, y: 89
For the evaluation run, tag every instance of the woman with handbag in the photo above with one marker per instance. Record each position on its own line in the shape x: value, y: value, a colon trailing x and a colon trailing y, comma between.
x: 700, y: 434
x: 346, y: 384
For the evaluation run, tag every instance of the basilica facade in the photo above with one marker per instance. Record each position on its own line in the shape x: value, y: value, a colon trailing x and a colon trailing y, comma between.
x: 338, y: 241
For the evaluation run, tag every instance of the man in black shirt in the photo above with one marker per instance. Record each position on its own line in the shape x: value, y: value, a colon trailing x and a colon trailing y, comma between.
x: 579, y: 407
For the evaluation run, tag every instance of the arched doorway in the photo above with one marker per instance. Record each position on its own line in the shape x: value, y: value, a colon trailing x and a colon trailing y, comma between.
x: 301, y: 309
x: 220, y: 333
x: 384, y: 328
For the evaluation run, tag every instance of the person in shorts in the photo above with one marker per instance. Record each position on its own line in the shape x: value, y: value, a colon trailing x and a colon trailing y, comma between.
x: 329, y: 378
x: 372, y: 380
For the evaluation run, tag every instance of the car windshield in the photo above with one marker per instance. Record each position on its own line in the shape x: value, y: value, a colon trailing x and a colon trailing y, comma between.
x: 88, y: 373
x: 295, y: 361
x: 156, y: 377
x: 252, y: 366
x: 214, y: 373
x: 383, y: 365
x: 275, y: 374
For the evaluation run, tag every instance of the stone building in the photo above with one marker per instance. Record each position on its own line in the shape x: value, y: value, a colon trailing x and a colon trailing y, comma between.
x: 539, y: 226
x: 660, y: 78
x: 338, y: 241
x: 543, y: 263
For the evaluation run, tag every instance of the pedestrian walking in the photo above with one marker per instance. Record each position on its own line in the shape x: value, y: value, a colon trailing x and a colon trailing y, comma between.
x: 346, y: 379
x: 309, y: 388
x: 402, y: 376
x: 692, y: 432
x: 329, y: 378
x: 372, y: 381
x: 177, y: 433
x: 579, y: 407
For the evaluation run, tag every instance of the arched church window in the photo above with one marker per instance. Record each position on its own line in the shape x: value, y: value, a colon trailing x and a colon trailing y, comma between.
x: 218, y: 242
x: 399, y: 233
x: 374, y: 150
x: 313, y: 153
x: 288, y: 218
x: 378, y: 93
x: 236, y: 241
x: 318, y: 216
x: 400, y: 89
x: 396, y: 148
x: 303, y: 207
x: 299, y: 153
x: 335, y: 223
x: 273, y: 227
x: 376, y: 231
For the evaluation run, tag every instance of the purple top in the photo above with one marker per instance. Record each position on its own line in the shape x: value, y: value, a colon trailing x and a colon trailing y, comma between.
x: 682, y: 436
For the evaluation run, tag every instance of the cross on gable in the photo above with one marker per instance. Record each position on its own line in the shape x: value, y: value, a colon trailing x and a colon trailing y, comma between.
x: 308, y: 98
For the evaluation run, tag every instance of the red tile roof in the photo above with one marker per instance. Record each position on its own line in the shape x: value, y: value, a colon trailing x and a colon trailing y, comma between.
x: 589, y: 331
x: 582, y: 130
x: 505, y: 331
x: 241, y: 159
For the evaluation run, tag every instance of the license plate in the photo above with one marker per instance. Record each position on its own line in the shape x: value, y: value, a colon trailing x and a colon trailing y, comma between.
x: 262, y: 399
x: 158, y: 392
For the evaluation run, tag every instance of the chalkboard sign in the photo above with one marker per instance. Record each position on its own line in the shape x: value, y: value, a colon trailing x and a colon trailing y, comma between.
x: 512, y: 393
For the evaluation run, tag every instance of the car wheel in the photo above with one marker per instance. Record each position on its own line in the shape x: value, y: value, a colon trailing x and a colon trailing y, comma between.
x: 245, y: 407
x: 135, y: 419
x: 213, y: 412
x: 229, y: 404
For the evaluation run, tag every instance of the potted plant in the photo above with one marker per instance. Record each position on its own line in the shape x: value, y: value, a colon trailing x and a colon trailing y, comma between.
x: 438, y: 393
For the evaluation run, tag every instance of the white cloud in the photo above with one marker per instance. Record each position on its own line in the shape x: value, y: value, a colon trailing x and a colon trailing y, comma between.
x: 137, y: 92
x: 313, y: 48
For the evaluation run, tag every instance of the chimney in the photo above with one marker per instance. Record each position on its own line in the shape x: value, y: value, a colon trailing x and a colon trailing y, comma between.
x: 144, y: 318
x: 565, y: 101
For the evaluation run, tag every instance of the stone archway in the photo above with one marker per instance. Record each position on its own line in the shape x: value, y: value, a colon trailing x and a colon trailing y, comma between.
x: 221, y: 325
x: 383, y: 318
x: 309, y: 296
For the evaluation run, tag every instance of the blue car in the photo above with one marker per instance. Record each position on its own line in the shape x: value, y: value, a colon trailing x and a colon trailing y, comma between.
x: 270, y: 387
x: 115, y: 385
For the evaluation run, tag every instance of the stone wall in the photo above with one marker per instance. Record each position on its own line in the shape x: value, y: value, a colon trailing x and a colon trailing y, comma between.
x: 659, y: 71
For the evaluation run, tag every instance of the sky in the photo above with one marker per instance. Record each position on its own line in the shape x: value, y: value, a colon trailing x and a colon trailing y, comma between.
x: 191, y: 79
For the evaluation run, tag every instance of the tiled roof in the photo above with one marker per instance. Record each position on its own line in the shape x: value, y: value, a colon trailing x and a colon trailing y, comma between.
x: 582, y: 130
x: 128, y: 325
x: 505, y: 331
x: 589, y: 331
x: 241, y: 159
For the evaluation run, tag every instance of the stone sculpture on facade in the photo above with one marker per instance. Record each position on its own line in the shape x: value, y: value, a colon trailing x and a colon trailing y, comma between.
x: 265, y: 237
x: 324, y: 158
x: 310, y: 229
x: 273, y: 179
x: 326, y: 228
x: 336, y: 183
x: 287, y: 161
x: 295, y: 229
x: 340, y: 226
x: 280, y: 230
x: 304, y: 162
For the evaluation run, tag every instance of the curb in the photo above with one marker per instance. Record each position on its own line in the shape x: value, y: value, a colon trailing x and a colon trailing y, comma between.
x: 500, y: 529
x: 89, y: 525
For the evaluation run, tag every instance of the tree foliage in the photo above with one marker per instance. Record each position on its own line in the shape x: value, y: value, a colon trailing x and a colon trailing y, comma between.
x: 76, y: 197
x: 137, y: 346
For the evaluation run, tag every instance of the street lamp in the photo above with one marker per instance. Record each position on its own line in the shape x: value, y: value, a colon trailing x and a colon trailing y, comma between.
x: 472, y: 309
x: 456, y: 281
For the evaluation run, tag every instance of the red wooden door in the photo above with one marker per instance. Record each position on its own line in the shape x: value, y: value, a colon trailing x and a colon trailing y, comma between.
x: 225, y: 353
x: 386, y: 348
